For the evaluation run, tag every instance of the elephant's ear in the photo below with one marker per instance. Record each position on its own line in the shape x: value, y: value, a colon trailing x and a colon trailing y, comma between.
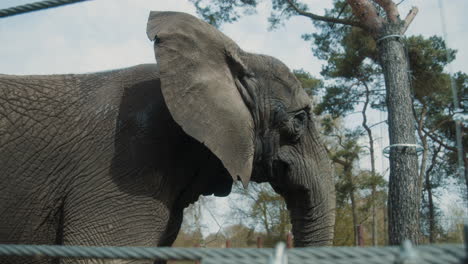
x: 198, y: 69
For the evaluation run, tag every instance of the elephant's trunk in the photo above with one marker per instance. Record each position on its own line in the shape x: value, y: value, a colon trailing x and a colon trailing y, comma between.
x: 309, y: 192
x: 305, y: 178
x: 312, y: 211
x: 312, y: 224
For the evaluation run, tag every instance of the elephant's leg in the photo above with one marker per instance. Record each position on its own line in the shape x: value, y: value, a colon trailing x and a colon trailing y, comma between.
x: 24, y: 221
x: 172, y: 230
x: 113, y: 217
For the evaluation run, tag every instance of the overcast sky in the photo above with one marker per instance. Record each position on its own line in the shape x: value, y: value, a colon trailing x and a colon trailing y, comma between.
x: 107, y: 34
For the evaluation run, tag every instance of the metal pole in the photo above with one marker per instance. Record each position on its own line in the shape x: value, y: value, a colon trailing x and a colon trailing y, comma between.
x: 259, y: 242
x: 360, y: 231
x: 197, y: 261
x: 289, y: 240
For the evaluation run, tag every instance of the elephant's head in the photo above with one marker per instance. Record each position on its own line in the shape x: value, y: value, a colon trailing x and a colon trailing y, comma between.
x: 251, y: 112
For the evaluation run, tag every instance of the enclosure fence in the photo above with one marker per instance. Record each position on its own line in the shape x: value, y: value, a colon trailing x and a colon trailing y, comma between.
x: 36, y: 6
x: 434, y: 254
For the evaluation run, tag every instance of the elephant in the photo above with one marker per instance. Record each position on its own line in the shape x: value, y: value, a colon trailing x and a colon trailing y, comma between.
x: 112, y: 158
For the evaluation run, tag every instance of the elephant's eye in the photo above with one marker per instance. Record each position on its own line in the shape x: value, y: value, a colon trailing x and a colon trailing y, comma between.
x: 294, y: 126
x: 299, y: 122
x: 300, y: 117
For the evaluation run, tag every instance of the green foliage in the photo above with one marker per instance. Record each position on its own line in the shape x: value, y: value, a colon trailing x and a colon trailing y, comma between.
x: 309, y: 83
x: 217, y: 12
x: 344, y: 233
x: 365, y: 181
x: 240, y: 236
x: 281, y: 11
x: 350, y: 147
x: 345, y: 153
x: 265, y: 212
x: 354, y: 195
x: 441, y: 108
x: 349, y: 62
x: 337, y: 101
x: 352, y: 66
x: 434, y: 109
x: 329, y: 40
x: 187, y: 238
x: 428, y: 57
x: 433, y: 95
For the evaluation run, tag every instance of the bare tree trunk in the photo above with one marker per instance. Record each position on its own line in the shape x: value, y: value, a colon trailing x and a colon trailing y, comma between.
x: 454, y: 149
x: 423, y: 174
x: 465, y: 161
x: 423, y: 138
x: 348, y: 172
x: 431, y: 211
x: 355, y: 218
x: 265, y: 220
x: 432, y: 223
x: 372, y: 157
x: 404, y: 193
x: 385, y: 215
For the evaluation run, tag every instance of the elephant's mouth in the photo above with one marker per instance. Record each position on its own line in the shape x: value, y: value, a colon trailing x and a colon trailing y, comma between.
x: 278, y: 177
x: 287, y: 177
x: 274, y: 172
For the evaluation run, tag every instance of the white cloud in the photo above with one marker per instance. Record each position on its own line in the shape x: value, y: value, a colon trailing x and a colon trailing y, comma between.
x: 69, y: 37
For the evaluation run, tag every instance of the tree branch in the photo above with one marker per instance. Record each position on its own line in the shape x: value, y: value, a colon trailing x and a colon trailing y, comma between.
x: 323, y: 18
x: 438, y: 125
x: 341, y: 162
x: 378, y: 123
x: 367, y: 14
x: 390, y: 9
x: 420, y: 122
x: 409, y: 18
x: 440, y: 141
x: 433, y: 160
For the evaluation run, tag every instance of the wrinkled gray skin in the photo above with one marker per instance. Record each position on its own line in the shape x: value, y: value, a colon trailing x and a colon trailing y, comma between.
x: 112, y: 158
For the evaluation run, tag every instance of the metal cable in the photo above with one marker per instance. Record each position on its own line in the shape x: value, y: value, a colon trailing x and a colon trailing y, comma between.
x: 12, y: 11
x: 458, y: 111
x: 433, y: 254
x: 161, y: 253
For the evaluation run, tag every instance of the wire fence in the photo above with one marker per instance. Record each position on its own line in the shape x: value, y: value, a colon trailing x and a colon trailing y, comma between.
x: 434, y: 254
x: 36, y: 6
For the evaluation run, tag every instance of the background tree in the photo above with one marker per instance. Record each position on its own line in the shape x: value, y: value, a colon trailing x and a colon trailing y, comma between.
x: 265, y: 212
x: 347, y: 154
x: 190, y: 234
x: 352, y: 184
x: 352, y: 64
x: 350, y: 55
x: 309, y: 83
x: 434, y: 112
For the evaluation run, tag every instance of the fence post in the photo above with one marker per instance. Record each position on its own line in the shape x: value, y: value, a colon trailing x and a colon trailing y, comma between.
x: 360, y: 231
x: 465, y: 228
x: 228, y: 243
x: 259, y: 242
x: 197, y: 261
x: 289, y: 240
